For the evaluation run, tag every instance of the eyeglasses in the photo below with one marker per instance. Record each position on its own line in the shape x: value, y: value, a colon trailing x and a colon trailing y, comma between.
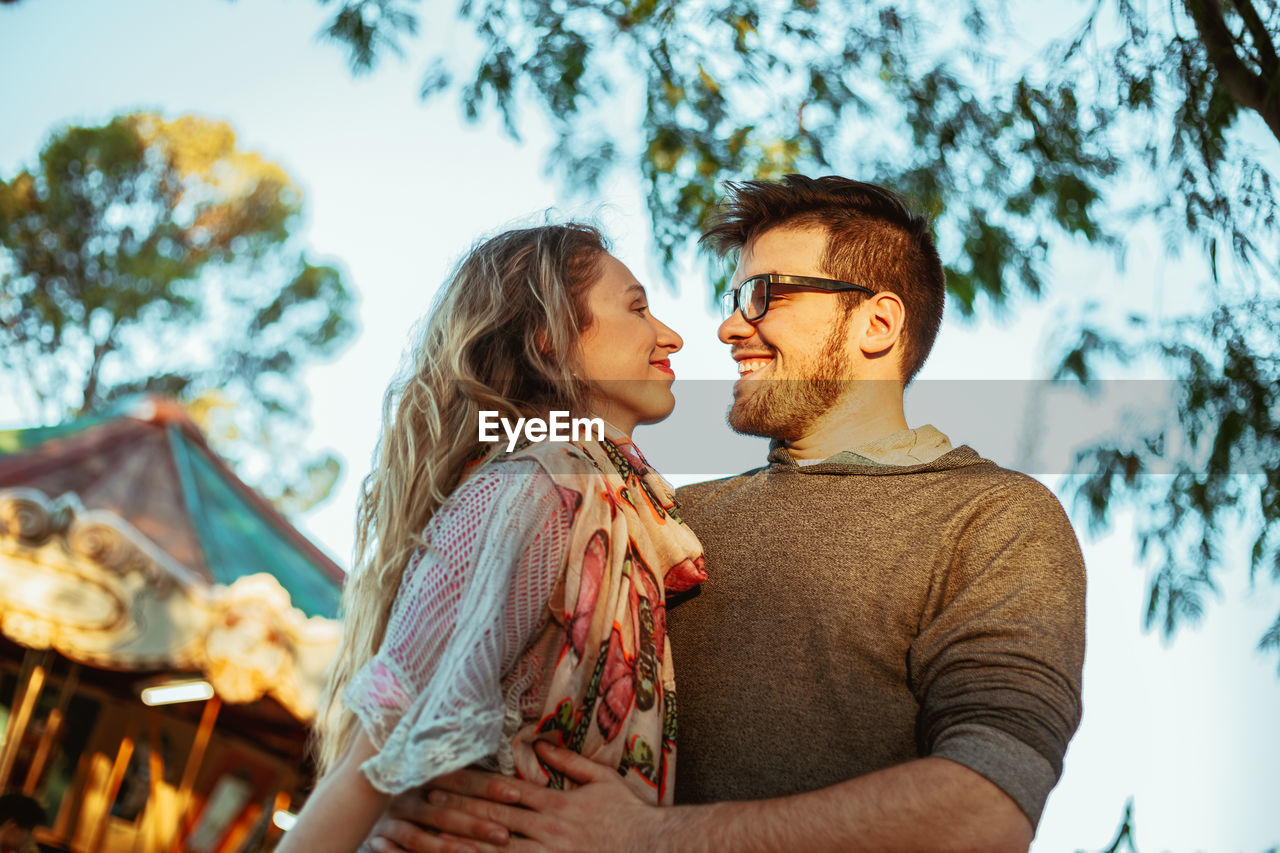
x: 751, y: 296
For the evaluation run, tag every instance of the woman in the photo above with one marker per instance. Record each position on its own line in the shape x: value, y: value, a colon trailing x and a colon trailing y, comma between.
x: 529, y: 586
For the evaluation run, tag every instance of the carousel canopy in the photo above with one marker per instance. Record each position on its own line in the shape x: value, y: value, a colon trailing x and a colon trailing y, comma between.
x: 150, y: 466
x: 126, y: 543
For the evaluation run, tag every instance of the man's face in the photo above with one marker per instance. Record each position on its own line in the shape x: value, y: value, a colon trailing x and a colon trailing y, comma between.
x: 794, y: 361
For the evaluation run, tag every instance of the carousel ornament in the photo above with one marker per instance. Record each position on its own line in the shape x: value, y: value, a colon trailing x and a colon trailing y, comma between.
x: 133, y: 560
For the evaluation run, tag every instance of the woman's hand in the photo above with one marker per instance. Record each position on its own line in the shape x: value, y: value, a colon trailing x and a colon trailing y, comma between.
x: 471, y: 810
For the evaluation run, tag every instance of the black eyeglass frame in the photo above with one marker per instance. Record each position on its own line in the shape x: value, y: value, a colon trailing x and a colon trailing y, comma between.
x: 771, y: 278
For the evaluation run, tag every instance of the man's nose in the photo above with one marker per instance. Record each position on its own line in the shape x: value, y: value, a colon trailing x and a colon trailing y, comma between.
x: 734, y: 329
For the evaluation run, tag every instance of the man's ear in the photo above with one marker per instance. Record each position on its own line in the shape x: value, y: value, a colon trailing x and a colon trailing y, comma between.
x: 883, y: 316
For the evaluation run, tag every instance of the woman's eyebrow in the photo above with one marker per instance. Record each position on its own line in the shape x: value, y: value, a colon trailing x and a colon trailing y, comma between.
x: 637, y: 290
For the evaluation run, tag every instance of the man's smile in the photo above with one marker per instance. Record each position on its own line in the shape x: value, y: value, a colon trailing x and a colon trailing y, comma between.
x: 749, y: 363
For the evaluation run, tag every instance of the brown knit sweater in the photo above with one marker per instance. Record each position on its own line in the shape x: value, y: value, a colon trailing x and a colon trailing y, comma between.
x: 859, y: 616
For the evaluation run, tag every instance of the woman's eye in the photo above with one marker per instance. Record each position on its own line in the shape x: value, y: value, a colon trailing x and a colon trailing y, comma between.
x: 641, y: 309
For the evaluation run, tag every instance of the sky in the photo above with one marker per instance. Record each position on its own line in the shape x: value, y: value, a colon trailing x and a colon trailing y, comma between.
x: 396, y: 190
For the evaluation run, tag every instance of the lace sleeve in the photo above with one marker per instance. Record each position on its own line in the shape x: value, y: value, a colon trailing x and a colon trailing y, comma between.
x: 431, y: 699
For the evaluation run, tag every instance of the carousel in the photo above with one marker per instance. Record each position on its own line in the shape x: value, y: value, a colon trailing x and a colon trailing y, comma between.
x: 164, y: 633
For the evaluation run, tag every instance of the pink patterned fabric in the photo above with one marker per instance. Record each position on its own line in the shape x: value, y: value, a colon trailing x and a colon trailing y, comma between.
x: 609, y: 683
x: 536, y: 611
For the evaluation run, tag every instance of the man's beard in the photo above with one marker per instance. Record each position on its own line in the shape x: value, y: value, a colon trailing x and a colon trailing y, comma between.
x: 785, y: 409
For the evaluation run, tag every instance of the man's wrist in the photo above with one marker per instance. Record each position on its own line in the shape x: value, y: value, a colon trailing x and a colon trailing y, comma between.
x: 688, y: 829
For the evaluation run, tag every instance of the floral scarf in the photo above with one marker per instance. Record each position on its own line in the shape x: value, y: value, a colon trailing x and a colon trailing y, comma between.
x: 607, y: 672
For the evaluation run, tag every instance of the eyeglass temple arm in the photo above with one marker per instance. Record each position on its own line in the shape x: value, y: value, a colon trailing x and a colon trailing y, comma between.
x: 813, y: 281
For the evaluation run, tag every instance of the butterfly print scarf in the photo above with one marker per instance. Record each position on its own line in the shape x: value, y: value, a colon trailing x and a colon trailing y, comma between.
x: 610, y: 689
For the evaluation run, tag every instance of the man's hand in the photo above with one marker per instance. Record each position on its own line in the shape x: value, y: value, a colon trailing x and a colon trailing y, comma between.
x: 415, y: 823
x: 928, y: 804
x: 474, y: 811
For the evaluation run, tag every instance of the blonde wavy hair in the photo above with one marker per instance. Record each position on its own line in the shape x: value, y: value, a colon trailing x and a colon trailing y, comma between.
x: 502, y: 335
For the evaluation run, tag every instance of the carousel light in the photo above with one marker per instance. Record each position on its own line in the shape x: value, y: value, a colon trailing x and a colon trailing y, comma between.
x: 285, y: 820
x: 196, y: 690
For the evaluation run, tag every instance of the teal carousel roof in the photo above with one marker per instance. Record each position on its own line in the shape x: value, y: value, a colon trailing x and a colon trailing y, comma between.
x: 149, y: 465
x: 127, y: 544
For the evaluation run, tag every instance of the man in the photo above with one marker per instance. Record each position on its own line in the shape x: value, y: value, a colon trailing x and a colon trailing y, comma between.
x: 887, y: 653
x: 19, y: 815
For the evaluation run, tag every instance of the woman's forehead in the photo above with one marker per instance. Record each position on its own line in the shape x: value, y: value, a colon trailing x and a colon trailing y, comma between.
x: 616, y: 280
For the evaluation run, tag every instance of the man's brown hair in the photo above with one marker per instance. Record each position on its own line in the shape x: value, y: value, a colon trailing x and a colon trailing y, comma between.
x: 874, y: 238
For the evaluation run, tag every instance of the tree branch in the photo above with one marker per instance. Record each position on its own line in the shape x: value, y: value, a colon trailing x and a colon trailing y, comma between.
x: 1250, y: 90
x: 1267, y: 59
x: 99, y: 352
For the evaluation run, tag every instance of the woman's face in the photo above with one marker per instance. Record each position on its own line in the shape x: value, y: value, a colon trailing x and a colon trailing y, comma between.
x: 626, y: 351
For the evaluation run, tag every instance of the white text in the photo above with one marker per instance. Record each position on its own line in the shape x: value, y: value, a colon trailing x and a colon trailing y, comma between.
x: 559, y: 427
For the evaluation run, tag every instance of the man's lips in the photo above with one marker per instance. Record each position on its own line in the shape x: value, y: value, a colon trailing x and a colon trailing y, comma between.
x: 664, y: 365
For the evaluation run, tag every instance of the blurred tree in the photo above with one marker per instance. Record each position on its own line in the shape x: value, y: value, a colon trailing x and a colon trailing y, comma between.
x: 1124, y: 835
x: 1009, y: 134
x: 150, y: 255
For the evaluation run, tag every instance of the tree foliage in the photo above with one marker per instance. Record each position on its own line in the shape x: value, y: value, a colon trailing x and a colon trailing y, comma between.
x: 1124, y: 835
x: 1129, y: 112
x: 1208, y: 475
x: 1003, y: 145
x: 153, y: 255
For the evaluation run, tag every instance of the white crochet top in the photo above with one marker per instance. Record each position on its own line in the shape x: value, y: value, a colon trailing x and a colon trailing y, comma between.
x: 444, y: 690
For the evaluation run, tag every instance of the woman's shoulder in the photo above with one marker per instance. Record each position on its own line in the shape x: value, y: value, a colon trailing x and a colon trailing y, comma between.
x: 544, y: 474
x: 512, y: 490
x: 556, y: 458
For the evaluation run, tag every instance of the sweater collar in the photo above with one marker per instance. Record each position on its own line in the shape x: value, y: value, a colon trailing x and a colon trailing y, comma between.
x: 923, y: 448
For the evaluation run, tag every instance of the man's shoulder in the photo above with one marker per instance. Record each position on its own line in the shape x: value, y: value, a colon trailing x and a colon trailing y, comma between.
x: 694, y: 493
x: 990, y: 500
x: 977, y: 473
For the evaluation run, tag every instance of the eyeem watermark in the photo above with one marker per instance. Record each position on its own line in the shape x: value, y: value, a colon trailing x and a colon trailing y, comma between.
x: 559, y: 427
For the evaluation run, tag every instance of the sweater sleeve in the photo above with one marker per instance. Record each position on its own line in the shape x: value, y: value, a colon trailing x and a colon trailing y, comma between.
x: 470, y: 602
x: 996, y: 666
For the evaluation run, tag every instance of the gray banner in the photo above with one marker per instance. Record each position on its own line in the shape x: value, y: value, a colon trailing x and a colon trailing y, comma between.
x: 1038, y: 427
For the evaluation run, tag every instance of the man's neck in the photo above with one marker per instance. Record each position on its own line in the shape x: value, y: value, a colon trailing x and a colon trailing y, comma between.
x: 870, y: 411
